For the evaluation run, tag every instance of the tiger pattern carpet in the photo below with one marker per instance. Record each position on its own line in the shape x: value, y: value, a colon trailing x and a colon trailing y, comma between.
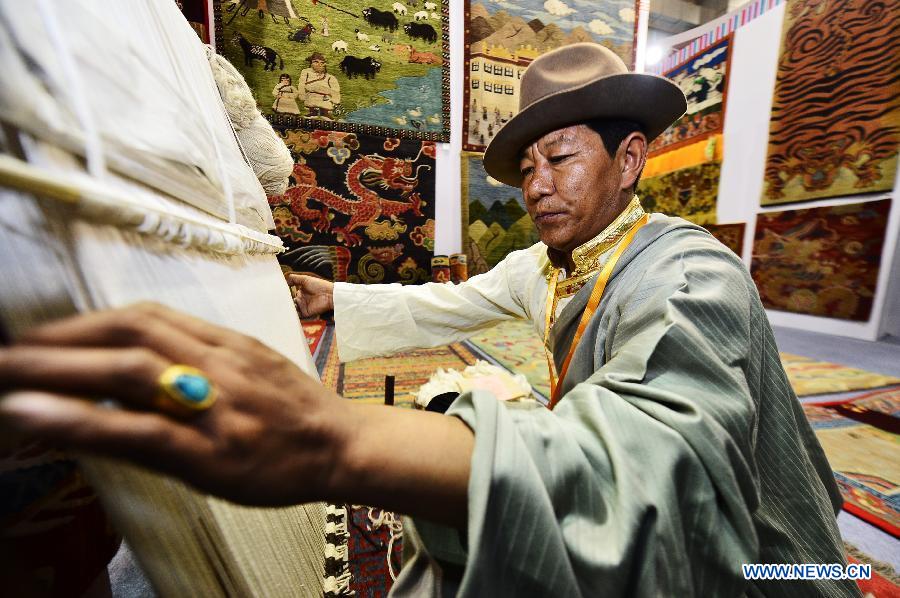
x: 835, y: 124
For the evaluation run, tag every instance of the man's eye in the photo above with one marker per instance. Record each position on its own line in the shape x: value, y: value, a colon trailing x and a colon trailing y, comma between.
x: 559, y: 158
x: 527, y: 170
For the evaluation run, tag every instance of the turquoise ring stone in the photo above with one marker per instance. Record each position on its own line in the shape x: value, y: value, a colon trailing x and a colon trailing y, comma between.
x: 184, y: 390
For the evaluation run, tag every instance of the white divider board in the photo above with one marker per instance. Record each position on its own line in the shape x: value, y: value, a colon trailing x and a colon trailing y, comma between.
x: 447, y: 180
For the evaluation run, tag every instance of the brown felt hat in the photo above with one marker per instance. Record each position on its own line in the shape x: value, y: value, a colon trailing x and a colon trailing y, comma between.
x: 576, y: 84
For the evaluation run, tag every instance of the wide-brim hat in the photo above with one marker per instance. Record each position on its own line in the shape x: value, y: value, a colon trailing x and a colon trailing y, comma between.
x: 574, y: 84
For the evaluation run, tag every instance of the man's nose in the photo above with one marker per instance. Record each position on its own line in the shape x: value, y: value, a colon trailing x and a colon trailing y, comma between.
x: 539, y: 184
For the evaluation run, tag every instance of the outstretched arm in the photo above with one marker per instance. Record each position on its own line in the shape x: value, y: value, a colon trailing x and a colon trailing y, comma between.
x: 382, y: 319
x: 275, y: 436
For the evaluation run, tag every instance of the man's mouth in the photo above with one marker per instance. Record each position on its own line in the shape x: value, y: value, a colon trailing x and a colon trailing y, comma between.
x: 548, y: 217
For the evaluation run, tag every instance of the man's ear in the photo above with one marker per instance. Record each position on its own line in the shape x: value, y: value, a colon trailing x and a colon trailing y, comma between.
x: 633, y: 153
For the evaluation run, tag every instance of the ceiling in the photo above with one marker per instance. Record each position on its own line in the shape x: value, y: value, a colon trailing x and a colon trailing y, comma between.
x: 668, y: 17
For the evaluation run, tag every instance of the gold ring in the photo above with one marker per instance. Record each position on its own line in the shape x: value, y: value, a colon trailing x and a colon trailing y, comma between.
x: 184, y: 391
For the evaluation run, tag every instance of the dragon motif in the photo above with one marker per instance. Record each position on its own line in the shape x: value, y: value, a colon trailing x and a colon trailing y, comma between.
x: 365, y: 174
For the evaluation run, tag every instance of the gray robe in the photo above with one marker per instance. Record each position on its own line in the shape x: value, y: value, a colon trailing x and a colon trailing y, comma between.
x: 678, y: 453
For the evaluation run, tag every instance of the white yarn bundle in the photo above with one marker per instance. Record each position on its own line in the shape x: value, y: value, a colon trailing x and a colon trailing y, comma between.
x: 483, y: 375
x: 268, y: 156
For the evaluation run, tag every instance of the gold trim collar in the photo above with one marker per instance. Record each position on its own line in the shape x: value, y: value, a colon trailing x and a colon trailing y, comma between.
x: 587, y: 256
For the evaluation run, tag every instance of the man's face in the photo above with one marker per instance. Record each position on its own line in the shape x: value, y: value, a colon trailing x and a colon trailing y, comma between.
x: 318, y: 66
x: 570, y: 186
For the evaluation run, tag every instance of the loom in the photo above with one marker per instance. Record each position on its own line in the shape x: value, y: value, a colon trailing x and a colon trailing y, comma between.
x: 123, y: 180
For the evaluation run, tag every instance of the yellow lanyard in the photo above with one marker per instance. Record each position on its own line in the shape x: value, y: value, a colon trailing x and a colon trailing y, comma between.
x: 593, y: 303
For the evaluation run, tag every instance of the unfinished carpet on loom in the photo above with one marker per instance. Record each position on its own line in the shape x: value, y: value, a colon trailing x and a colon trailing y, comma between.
x: 811, y: 377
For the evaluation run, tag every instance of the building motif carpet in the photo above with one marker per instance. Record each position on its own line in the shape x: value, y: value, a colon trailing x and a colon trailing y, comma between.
x: 502, y: 38
x: 704, y: 80
x: 820, y: 261
x: 359, y: 208
x: 834, y: 127
x: 378, y: 67
x: 196, y: 14
x: 55, y: 536
x: 375, y: 550
x: 494, y: 218
x: 864, y: 456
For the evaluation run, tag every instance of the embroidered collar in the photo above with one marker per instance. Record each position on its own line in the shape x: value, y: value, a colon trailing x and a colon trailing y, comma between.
x: 587, y: 257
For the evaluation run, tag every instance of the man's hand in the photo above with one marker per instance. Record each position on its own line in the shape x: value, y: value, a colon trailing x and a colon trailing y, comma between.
x: 275, y: 436
x: 267, y: 439
x: 314, y: 296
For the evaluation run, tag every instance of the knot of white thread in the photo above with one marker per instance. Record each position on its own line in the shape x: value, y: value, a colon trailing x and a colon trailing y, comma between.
x: 394, y: 525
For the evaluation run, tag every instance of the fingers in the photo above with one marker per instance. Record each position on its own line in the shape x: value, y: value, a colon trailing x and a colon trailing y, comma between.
x: 177, y: 336
x: 295, y: 280
x: 300, y: 299
x: 146, y: 438
x: 195, y: 327
x: 313, y: 296
x: 127, y: 374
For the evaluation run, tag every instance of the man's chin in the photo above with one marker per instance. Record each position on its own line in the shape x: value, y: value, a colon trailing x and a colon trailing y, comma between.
x: 555, y: 242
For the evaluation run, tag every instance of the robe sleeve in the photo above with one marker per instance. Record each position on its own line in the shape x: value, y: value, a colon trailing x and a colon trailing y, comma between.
x: 382, y: 319
x: 641, y: 482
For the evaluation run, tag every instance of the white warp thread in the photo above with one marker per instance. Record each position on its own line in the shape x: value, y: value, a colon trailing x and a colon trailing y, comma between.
x: 74, y: 89
x: 150, y: 92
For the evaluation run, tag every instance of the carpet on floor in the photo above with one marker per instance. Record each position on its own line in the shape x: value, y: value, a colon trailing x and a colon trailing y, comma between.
x: 860, y: 440
x: 516, y: 346
x: 877, y: 586
x: 811, y: 377
x: 884, y: 581
x: 313, y: 330
x: 364, y: 379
